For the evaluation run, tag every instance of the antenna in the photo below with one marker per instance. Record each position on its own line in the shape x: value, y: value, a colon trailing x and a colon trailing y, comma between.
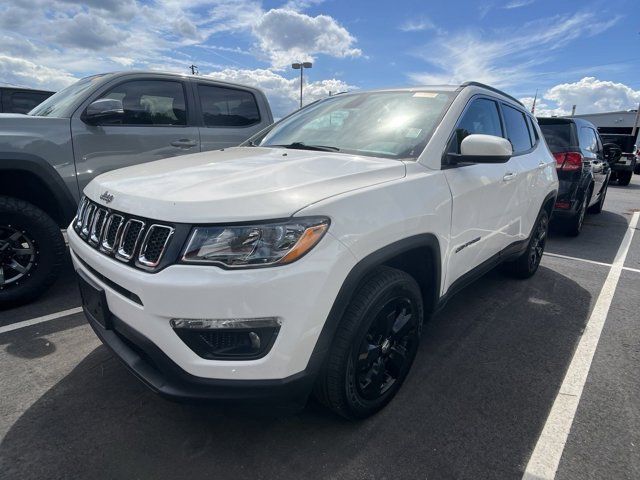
x: 194, y: 69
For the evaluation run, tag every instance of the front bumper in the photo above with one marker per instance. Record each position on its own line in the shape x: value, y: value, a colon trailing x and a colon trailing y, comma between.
x: 142, y: 304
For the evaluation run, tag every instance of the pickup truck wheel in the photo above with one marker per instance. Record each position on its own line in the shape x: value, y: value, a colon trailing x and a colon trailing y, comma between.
x: 31, y: 251
x: 624, y: 178
x: 527, y: 264
x: 374, y: 347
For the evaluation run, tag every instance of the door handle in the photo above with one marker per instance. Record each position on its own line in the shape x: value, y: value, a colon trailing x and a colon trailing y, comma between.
x: 184, y: 143
x: 509, y: 176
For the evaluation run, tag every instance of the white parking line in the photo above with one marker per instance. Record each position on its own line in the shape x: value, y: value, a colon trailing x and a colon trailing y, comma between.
x: 44, y: 318
x: 546, y: 456
x: 566, y: 257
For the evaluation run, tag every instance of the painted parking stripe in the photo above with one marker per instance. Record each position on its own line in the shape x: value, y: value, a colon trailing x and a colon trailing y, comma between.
x: 547, y: 453
x: 586, y: 260
x: 35, y: 321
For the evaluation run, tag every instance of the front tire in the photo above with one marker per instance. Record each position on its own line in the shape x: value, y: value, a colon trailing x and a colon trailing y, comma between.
x: 31, y: 251
x: 526, y: 265
x: 624, y: 178
x: 374, y: 346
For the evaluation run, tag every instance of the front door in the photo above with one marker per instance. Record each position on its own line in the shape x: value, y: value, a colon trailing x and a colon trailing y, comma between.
x: 483, y: 196
x: 154, y: 126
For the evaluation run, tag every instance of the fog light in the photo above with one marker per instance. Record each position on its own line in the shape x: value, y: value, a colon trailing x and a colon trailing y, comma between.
x: 228, y: 339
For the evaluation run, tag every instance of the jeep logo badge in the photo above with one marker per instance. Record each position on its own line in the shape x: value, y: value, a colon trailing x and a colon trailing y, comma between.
x: 107, y: 197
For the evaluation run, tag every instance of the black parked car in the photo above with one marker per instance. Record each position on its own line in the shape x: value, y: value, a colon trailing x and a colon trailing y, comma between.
x: 583, y: 169
x: 21, y: 100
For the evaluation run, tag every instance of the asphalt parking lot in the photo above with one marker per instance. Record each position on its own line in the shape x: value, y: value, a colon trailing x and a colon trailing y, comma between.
x: 480, y: 394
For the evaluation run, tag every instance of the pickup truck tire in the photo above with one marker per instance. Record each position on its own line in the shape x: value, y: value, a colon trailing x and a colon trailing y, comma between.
x: 31, y: 251
x: 527, y: 264
x: 374, y: 346
x: 624, y: 178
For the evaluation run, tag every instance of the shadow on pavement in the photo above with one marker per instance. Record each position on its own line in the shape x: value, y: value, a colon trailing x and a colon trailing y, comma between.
x: 473, y: 406
x: 599, y: 240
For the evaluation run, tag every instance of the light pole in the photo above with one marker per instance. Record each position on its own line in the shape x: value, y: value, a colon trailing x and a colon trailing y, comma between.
x: 301, y: 66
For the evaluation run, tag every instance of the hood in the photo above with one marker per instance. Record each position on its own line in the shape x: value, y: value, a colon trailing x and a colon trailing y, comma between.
x: 238, y: 184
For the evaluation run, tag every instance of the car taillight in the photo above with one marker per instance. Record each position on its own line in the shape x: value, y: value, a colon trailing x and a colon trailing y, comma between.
x: 568, y: 161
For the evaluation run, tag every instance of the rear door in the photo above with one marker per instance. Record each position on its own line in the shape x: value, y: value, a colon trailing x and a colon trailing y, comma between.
x: 483, y: 194
x: 591, y: 149
x: 155, y: 125
x: 529, y: 188
x: 228, y: 115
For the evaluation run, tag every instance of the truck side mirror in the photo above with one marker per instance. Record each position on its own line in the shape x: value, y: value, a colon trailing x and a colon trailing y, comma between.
x: 103, y: 110
x: 612, y: 152
x: 479, y: 148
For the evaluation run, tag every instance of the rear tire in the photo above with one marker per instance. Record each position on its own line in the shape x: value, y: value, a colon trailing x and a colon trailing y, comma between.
x: 31, y: 251
x: 624, y: 178
x: 526, y: 265
x: 597, y: 208
x: 374, y: 347
x: 575, y: 223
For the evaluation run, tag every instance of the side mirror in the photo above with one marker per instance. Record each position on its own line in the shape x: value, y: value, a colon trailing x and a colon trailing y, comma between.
x: 612, y: 152
x: 478, y: 148
x: 103, y: 110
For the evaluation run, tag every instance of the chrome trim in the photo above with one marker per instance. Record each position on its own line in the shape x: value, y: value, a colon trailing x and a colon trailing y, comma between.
x: 104, y: 245
x: 141, y: 257
x: 81, y: 207
x: 87, y: 219
x: 121, y: 254
x: 94, y: 236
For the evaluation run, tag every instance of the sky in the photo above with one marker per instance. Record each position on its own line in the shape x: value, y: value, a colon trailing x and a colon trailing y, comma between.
x: 584, y: 53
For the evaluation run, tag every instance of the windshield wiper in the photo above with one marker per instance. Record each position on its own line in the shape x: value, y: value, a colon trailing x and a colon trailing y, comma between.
x: 304, y: 146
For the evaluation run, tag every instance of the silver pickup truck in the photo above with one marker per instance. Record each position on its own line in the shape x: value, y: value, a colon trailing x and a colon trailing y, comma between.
x: 101, y: 123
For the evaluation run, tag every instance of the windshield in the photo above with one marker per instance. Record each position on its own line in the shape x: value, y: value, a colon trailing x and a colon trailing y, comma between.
x: 395, y: 124
x: 57, y: 104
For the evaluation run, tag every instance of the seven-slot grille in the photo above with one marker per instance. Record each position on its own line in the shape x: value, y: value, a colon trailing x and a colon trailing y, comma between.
x: 117, y: 235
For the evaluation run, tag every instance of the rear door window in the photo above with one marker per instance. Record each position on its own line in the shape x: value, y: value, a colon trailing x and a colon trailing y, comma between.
x: 588, y: 139
x: 227, y: 107
x: 517, y: 130
x: 482, y: 117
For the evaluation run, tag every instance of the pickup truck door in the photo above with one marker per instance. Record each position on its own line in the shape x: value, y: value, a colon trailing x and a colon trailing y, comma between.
x: 483, y: 196
x: 229, y: 115
x: 156, y: 124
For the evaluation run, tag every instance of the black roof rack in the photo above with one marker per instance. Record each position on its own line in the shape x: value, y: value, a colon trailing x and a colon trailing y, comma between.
x: 478, y: 84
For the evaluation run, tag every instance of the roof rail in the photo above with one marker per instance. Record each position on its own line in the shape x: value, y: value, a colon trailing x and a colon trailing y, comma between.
x: 493, y: 89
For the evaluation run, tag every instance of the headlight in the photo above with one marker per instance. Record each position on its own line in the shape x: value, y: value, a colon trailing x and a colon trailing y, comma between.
x: 246, y: 246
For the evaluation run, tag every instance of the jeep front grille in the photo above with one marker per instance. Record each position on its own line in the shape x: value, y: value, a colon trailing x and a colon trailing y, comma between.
x: 131, y: 240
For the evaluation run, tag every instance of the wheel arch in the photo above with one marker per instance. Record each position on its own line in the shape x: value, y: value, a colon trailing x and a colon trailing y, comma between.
x: 418, y: 255
x: 32, y: 179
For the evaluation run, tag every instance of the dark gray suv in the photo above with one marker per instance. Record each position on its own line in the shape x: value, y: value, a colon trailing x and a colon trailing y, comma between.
x: 101, y: 123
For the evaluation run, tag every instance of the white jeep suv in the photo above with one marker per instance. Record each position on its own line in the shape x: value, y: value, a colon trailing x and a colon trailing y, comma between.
x: 308, y: 258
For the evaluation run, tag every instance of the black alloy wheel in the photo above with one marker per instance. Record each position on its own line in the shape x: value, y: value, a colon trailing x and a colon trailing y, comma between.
x: 32, y: 251
x: 375, y: 345
x: 18, y: 256
x: 574, y: 226
x: 383, y: 355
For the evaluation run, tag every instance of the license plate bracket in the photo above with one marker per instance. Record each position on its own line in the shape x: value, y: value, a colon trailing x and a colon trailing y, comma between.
x: 94, y: 301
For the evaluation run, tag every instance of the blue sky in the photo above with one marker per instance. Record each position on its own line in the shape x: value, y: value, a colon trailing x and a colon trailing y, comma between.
x: 574, y: 52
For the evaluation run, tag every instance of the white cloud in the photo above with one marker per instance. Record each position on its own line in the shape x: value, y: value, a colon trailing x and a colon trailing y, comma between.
x: 590, y: 95
x: 417, y: 25
x: 283, y: 93
x: 287, y: 35
x: 18, y: 71
x: 518, y: 3
x: 506, y: 57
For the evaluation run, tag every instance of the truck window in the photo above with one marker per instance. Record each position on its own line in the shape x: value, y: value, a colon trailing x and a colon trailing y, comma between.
x: 481, y: 117
x: 227, y: 107
x: 23, y: 102
x: 517, y: 130
x: 151, y: 102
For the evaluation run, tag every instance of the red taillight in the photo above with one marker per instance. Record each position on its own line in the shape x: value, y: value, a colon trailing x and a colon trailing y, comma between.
x: 568, y: 161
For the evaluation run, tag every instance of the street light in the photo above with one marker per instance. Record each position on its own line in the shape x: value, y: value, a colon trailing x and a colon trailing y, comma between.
x: 301, y: 66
